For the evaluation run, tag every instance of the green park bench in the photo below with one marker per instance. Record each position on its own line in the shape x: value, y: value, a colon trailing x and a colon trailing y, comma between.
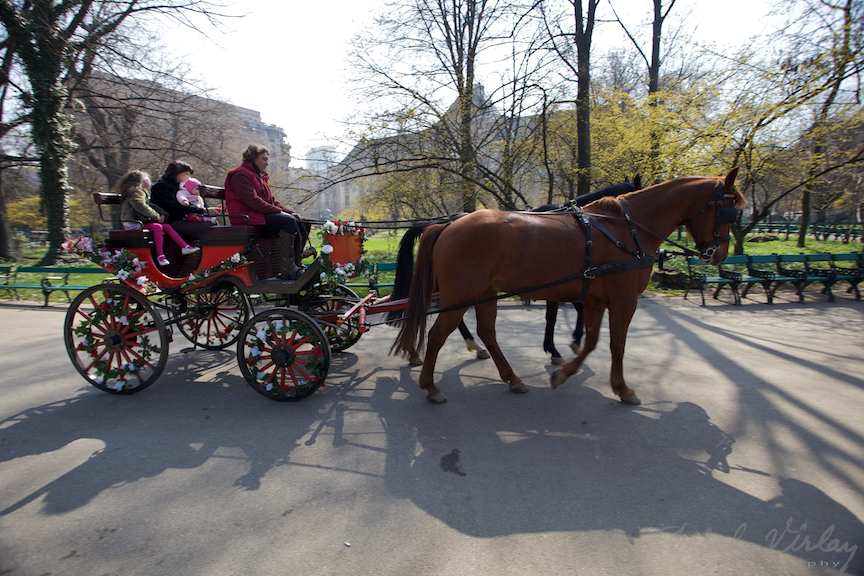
x: 52, y: 280
x: 741, y: 273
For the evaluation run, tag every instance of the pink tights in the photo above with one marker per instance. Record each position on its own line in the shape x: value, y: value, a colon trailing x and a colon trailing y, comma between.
x: 159, y: 230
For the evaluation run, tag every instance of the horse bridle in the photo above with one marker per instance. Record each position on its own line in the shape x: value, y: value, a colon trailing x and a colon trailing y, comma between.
x: 725, y: 212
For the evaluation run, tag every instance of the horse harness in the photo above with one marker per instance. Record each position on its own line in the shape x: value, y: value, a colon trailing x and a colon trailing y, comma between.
x: 588, y: 222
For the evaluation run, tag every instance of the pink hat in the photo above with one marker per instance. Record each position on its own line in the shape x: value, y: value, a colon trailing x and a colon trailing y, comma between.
x: 191, y: 184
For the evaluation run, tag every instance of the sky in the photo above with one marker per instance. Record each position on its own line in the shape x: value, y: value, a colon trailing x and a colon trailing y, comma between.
x: 297, y: 51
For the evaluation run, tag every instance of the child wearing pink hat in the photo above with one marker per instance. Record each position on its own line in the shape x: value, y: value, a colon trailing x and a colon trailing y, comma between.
x: 188, y: 195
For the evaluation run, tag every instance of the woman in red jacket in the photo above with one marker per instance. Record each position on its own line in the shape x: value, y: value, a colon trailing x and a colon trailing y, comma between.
x: 247, y: 193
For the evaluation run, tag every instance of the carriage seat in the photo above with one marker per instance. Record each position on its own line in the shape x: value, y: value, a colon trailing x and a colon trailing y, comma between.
x: 226, y: 236
x: 129, y: 239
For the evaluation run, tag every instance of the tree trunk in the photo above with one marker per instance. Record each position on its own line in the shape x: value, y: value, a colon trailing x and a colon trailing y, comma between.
x: 583, y: 93
x: 583, y: 126
x: 7, y: 251
x: 805, y: 217
x: 654, y: 87
x: 739, y: 233
x: 466, y: 157
x: 50, y: 130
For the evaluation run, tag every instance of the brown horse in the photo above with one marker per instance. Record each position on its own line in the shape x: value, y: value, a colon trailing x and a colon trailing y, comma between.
x: 470, y: 260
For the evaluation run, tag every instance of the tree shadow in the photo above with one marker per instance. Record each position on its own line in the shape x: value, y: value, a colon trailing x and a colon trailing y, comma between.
x: 492, y: 464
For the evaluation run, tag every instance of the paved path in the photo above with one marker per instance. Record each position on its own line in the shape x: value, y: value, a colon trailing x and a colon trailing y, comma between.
x: 747, y: 457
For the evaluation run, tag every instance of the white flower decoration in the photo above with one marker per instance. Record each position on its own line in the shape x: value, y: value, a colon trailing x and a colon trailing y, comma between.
x: 142, y: 280
x: 254, y: 351
x: 261, y: 375
x: 323, y: 276
x: 118, y: 385
x: 261, y: 334
x: 123, y: 320
x: 326, y: 249
x: 269, y: 387
x: 97, y: 377
x: 235, y: 258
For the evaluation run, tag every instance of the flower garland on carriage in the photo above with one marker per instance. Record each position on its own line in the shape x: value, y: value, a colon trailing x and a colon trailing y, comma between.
x: 342, y: 252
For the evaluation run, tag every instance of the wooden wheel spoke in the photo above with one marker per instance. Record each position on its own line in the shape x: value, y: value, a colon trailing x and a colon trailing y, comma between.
x: 96, y: 359
x: 141, y: 358
x: 301, y: 369
x: 267, y: 366
x: 293, y: 376
x: 313, y: 352
x: 282, y: 379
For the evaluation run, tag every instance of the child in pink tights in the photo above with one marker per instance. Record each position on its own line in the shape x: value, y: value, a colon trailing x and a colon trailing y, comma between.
x: 135, y: 189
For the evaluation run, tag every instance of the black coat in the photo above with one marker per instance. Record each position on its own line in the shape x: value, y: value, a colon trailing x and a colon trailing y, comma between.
x: 164, y: 195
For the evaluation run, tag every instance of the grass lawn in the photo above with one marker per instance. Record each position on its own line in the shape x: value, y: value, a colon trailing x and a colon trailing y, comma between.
x: 382, y: 247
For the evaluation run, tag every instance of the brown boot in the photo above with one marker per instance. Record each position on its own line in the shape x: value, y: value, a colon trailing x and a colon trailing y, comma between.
x: 287, y: 262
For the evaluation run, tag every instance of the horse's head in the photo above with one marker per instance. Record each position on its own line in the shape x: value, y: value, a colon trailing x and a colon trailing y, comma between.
x: 710, y: 221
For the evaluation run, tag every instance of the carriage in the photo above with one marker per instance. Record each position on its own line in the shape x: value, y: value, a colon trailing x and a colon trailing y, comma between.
x: 118, y: 333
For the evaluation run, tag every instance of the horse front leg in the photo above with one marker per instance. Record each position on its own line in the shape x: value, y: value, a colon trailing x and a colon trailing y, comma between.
x: 549, y: 335
x: 593, y: 310
x: 620, y: 314
x: 579, y: 330
x: 470, y: 344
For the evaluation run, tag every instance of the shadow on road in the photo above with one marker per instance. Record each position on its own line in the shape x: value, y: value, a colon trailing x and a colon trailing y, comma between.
x: 487, y: 464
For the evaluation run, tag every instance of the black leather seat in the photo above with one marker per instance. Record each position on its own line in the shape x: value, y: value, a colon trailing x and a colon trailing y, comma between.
x: 227, y: 236
x: 129, y: 239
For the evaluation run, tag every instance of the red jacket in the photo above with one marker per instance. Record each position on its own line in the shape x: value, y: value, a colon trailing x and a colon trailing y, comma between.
x: 247, y: 191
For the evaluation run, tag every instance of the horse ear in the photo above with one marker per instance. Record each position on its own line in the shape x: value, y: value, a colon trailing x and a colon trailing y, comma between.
x: 730, y: 178
x: 637, y: 181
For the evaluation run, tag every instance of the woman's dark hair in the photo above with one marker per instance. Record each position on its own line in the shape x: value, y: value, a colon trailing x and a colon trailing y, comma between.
x: 253, y: 151
x: 175, y: 168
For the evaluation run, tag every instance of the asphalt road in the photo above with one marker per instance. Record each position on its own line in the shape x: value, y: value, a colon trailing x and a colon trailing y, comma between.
x: 746, y: 457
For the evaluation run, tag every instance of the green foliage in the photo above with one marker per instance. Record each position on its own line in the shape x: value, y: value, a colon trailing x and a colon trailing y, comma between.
x: 27, y: 213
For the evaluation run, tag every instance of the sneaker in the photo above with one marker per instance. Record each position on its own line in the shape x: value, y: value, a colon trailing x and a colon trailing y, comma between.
x: 189, y: 249
x: 163, y: 261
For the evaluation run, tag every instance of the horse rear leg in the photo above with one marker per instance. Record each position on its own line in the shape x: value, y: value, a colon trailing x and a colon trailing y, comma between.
x: 549, y: 336
x: 593, y: 310
x: 486, y: 315
x: 620, y: 315
x: 443, y: 327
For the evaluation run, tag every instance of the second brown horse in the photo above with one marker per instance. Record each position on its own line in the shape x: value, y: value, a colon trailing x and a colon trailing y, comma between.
x: 470, y: 260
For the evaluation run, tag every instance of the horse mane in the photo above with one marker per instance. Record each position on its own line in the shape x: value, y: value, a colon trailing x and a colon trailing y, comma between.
x: 608, y: 204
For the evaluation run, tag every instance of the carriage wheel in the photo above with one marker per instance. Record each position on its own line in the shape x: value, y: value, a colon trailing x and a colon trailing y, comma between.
x: 115, y: 339
x: 336, y: 301
x: 283, y: 354
x: 214, y: 315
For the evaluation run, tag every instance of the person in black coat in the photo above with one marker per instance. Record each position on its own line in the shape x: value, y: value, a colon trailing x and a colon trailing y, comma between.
x: 163, y: 193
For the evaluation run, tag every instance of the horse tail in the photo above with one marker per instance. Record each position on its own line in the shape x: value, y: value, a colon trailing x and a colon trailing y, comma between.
x: 404, y: 269
x: 412, y: 334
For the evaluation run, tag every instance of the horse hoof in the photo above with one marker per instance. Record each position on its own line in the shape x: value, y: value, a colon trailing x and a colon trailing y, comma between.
x: 557, y: 360
x: 436, y: 398
x: 518, y: 387
x: 557, y: 379
x: 482, y: 354
x: 575, y: 347
x: 416, y: 361
x: 631, y: 399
